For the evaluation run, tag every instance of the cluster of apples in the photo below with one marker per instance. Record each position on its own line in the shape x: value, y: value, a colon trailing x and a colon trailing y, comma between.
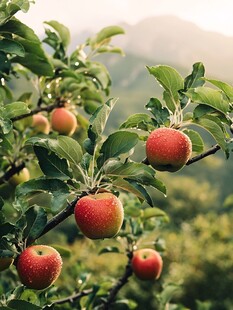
x: 101, y: 215
x: 62, y: 120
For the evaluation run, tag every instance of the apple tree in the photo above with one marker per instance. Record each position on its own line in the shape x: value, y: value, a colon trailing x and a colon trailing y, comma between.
x: 57, y: 161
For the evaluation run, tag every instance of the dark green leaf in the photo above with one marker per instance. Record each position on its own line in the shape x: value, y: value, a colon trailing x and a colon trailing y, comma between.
x: 208, y: 96
x: 51, y: 164
x: 196, y: 139
x: 160, y: 113
x: 109, y: 249
x: 64, y: 147
x: 58, y: 190
x: 36, y: 219
x: 62, y: 30
x: 139, y: 121
x: 213, y: 128
x: 195, y: 78
x: 118, y: 143
x: 22, y: 305
x: 171, y: 81
x: 11, y: 47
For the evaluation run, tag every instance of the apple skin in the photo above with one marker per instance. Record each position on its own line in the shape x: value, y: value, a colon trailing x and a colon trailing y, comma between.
x: 63, y: 121
x: 168, y: 149
x: 147, y: 264
x: 40, y: 124
x: 21, y: 177
x: 39, y: 266
x: 5, y: 262
x: 99, y: 216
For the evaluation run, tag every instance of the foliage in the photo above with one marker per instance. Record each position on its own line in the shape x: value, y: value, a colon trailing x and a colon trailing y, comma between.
x: 64, y: 169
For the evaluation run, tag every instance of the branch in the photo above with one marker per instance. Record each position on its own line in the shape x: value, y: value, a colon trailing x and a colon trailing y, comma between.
x: 59, y: 218
x: 71, y: 298
x: 49, y: 108
x: 119, y: 284
x: 209, y: 152
x: 9, y: 173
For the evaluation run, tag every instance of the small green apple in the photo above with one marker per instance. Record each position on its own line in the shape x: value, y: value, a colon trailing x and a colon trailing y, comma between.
x: 39, y: 266
x: 63, y: 121
x: 147, y: 264
x: 21, y: 177
x: 100, y: 215
x: 168, y: 149
x: 5, y: 262
x: 40, y: 124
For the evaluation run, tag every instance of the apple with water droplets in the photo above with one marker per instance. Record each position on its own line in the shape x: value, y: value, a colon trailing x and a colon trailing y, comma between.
x: 168, y: 149
x: 39, y: 266
x: 63, y: 121
x: 99, y: 216
x: 147, y: 264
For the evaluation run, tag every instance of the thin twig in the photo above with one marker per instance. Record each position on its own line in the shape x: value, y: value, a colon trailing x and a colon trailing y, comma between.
x: 9, y: 173
x: 119, y: 284
x: 71, y: 298
x: 209, y: 152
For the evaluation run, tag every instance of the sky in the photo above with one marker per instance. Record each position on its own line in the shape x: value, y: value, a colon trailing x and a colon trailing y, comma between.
x: 79, y: 15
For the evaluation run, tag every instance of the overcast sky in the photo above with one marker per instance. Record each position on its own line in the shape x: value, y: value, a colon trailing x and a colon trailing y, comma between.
x: 78, y: 15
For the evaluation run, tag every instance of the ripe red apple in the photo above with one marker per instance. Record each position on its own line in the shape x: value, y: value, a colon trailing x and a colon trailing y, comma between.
x: 5, y: 262
x: 21, y: 177
x: 168, y: 149
x: 99, y: 216
x: 39, y: 266
x: 63, y: 121
x: 40, y: 124
x: 147, y: 264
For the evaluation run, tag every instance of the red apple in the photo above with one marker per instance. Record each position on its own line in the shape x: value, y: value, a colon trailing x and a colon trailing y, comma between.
x: 168, y: 149
x: 39, y: 266
x: 5, y: 262
x: 147, y: 264
x: 40, y: 123
x: 21, y: 177
x: 63, y: 121
x: 99, y: 216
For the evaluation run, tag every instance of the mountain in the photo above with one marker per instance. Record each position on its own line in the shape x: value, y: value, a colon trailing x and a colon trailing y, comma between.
x: 169, y: 39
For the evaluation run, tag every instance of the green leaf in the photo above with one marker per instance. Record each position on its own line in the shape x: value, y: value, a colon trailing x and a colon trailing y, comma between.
x: 196, y: 139
x: 208, y: 96
x: 153, y: 212
x: 118, y: 143
x: 171, y: 81
x: 62, y: 30
x: 11, y: 47
x: 35, y: 58
x: 36, y: 219
x: 226, y: 88
x: 64, y: 251
x: 18, y: 304
x: 63, y: 146
x: 213, y: 128
x: 58, y: 190
x: 15, y: 109
x: 132, y: 211
x: 168, y: 293
x: 51, y: 165
x: 195, y: 78
x: 161, y: 114
x: 107, y: 33
x: 6, y: 228
x: 98, y: 71
x: 97, y: 125
x: 139, y: 121
x: 125, y: 185
x: 109, y: 249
